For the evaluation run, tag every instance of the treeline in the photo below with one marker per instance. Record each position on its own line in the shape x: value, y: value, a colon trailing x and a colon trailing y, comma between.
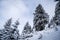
x: 41, y: 19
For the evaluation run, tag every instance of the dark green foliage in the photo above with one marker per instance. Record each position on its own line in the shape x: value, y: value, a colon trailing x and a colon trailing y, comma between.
x: 27, y: 29
x: 40, y: 18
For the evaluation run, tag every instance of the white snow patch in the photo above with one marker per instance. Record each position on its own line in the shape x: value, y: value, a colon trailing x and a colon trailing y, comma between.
x: 50, y: 34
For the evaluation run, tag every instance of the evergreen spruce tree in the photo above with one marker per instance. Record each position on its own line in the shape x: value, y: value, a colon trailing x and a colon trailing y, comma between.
x: 56, y: 19
x: 26, y: 32
x: 40, y: 18
x: 9, y: 33
x: 27, y: 29
x: 57, y: 14
x: 7, y: 26
x: 15, y: 33
x: 7, y: 30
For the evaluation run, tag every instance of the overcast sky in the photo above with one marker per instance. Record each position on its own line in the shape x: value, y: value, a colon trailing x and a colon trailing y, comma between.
x: 23, y: 9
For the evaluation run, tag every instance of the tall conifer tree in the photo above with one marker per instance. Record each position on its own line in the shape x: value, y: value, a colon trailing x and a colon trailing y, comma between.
x: 40, y: 18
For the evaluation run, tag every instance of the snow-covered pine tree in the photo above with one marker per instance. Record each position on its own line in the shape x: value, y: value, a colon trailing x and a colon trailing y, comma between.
x: 40, y: 18
x: 7, y: 26
x: 15, y: 33
x: 57, y: 14
x: 26, y: 33
x: 7, y: 30
x: 56, y: 19
x: 27, y: 29
x: 9, y: 33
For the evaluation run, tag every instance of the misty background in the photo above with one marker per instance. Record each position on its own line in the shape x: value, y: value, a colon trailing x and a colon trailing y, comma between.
x: 23, y: 10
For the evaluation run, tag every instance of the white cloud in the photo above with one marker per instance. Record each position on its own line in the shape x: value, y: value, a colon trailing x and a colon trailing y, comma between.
x: 13, y: 9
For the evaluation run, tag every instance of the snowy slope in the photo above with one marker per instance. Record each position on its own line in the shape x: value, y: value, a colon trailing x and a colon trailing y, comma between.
x: 49, y: 34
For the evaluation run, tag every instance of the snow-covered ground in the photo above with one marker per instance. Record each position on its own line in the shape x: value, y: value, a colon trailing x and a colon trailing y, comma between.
x: 49, y: 34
